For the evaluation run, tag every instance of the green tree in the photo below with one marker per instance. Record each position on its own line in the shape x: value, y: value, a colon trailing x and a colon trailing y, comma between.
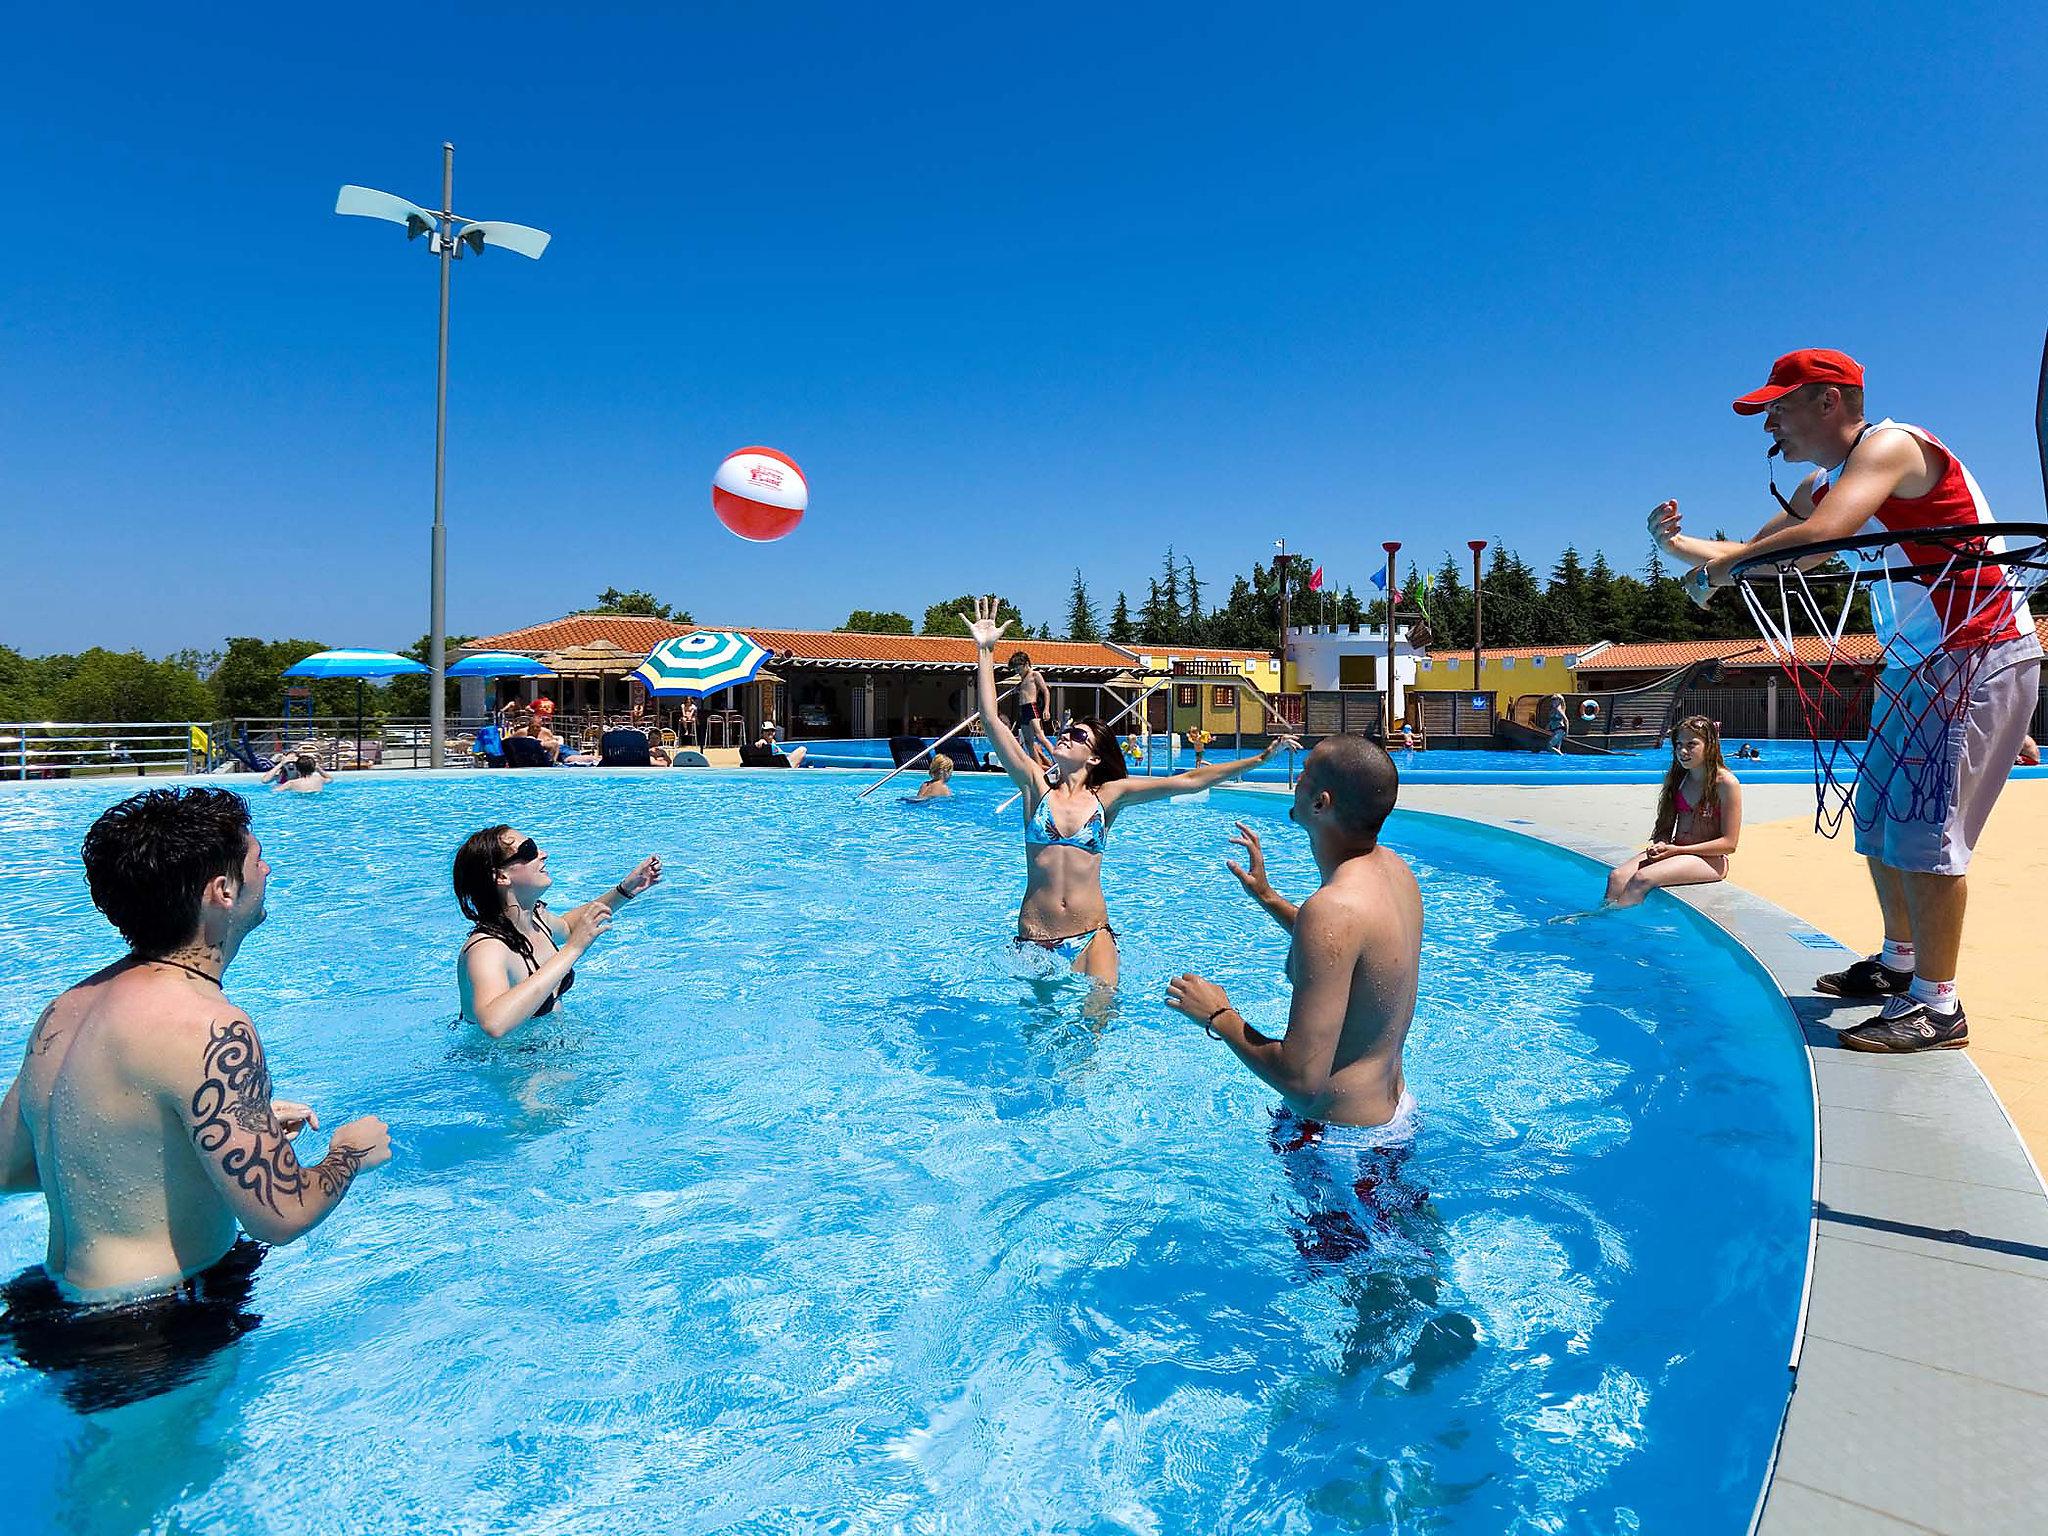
x: 126, y: 685
x: 944, y: 618
x: 877, y: 621
x: 250, y: 679
x: 406, y: 697
x: 1082, y: 621
x: 1121, y: 630
x: 639, y: 605
x: 1667, y: 613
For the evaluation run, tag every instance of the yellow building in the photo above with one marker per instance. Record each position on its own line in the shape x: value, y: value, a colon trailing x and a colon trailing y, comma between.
x: 1507, y: 673
x: 1216, y: 689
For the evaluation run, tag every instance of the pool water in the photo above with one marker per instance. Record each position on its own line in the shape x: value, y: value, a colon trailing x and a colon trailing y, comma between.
x: 812, y: 1209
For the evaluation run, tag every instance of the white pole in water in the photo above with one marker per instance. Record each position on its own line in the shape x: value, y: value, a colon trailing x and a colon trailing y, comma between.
x: 918, y: 756
x: 447, y: 235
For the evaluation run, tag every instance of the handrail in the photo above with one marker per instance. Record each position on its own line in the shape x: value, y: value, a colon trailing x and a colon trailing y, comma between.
x: 927, y: 750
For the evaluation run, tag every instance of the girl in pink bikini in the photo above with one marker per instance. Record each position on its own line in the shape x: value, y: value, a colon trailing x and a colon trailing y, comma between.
x: 1699, y: 818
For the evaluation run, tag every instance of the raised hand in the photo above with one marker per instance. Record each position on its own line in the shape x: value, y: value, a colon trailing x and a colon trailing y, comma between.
x: 586, y: 923
x: 361, y: 1144
x: 1198, y: 998
x: 1253, y: 878
x: 647, y: 874
x: 1280, y: 743
x: 984, y: 623
x: 1664, y: 527
x: 294, y: 1117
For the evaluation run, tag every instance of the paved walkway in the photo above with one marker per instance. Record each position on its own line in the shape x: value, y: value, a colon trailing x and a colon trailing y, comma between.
x: 1822, y: 880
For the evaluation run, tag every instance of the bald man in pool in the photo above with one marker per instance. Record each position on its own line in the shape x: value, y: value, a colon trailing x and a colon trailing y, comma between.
x: 1354, y: 961
x: 142, y: 1110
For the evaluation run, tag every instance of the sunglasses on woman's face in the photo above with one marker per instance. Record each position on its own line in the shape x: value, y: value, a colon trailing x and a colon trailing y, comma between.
x: 1080, y: 734
x: 525, y: 853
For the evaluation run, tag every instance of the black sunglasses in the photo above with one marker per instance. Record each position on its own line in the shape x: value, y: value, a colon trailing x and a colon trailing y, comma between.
x: 1079, y: 733
x: 525, y: 853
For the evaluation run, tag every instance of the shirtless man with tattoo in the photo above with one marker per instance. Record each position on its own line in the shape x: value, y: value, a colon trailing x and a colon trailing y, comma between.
x: 142, y: 1110
x: 1354, y: 961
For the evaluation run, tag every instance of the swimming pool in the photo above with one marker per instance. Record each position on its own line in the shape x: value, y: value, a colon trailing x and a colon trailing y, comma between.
x: 1781, y: 762
x: 810, y: 1210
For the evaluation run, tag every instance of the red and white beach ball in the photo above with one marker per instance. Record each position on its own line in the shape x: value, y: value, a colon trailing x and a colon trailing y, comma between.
x: 759, y: 494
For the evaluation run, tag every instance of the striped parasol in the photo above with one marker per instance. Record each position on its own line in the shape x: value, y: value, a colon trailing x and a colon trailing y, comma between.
x: 705, y: 662
x: 499, y: 664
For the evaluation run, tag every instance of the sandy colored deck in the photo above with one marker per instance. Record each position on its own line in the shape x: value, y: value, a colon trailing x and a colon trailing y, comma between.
x: 1823, y: 881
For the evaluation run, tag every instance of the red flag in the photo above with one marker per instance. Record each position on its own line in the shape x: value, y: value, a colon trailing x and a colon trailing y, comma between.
x: 1315, y: 582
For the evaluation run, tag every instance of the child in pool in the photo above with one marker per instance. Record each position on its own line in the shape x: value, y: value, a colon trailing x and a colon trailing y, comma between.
x: 937, y: 772
x: 1699, y: 819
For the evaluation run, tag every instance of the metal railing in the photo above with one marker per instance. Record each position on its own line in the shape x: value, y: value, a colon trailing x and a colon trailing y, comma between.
x: 65, y: 749
x: 332, y: 740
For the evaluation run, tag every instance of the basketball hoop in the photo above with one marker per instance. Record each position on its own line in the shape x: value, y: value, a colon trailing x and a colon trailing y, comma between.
x: 1949, y: 616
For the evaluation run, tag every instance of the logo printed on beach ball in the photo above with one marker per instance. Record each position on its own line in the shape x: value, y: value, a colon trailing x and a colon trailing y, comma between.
x: 759, y: 494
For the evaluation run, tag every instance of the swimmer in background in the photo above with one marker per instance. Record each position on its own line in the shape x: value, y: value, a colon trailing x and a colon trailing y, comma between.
x: 1085, y: 789
x: 1354, y: 961
x: 1699, y: 820
x: 301, y: 775
x: 142, y: 1110
x: 504, y: 978
x: 1034, y: 705
x: 1408, y: 743
x: 937, y: 772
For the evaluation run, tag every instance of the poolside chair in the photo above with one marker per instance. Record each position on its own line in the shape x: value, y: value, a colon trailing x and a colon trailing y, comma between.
x: 903, y: 748
x: 752, y: 756
x: 526, y: 752
x: 623, y: 747
x: 961, y: 750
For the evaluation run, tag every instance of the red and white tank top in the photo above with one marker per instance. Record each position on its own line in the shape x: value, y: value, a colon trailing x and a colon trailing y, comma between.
x: 1969, y: 606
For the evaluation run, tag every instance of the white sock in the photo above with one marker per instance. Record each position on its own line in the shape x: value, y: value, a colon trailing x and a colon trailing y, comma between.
x: 1896, y: 956
x: 1938, y: 996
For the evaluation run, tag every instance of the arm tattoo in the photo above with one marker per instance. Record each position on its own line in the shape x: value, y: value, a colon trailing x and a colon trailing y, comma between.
x: 338, y: 1169
x: 234, y: 1092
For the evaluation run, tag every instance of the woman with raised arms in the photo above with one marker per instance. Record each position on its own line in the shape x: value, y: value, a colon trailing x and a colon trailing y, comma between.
x: 1068, y: 811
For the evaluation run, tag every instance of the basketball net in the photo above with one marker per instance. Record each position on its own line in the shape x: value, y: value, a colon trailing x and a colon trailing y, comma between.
x: 1966, y: 579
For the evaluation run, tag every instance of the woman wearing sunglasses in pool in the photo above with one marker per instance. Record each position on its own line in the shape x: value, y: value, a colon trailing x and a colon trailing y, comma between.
x: 520, y: 958
x: 1068, y: 809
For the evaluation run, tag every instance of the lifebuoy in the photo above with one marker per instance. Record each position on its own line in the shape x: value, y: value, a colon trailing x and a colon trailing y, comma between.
x: 1589, y: 709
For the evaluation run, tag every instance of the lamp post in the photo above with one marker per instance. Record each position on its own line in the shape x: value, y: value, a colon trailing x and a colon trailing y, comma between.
x: 1280, y: 575
x: 1393, y: 548
x: 448, y: 235
x: 1478, y: 605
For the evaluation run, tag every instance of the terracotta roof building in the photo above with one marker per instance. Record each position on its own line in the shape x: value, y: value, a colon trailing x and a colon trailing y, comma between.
x: 841, y: 683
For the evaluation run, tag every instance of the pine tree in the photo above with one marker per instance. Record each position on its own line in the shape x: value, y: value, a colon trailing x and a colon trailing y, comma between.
x: 1082, y: 623
x: 1121, y: 631
x: 1170, y: 615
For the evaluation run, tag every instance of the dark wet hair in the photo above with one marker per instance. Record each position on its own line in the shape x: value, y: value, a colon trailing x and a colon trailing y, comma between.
x: 477, y: 863
x: 1362, y: 780
x: 149, y: 860
x: 1109, y: 761
x: 1019, y: 660
x: 305, y: 763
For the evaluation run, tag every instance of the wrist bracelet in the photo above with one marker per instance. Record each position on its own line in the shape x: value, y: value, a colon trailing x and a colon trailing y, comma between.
x: 1209, y: 1024
x: 624, y: 894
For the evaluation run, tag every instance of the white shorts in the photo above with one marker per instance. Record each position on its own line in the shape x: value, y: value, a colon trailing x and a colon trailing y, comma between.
x: 1943, y: 736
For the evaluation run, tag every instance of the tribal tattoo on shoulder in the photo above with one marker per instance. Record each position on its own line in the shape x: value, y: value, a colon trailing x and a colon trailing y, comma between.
x: 234, y: 1093
x: 42, y: 1037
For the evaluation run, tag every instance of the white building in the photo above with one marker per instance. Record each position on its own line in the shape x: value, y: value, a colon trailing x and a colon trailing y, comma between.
x: 1326, y: 657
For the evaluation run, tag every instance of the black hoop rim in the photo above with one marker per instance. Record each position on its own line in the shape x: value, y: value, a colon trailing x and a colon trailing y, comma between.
x: 1782, y: 559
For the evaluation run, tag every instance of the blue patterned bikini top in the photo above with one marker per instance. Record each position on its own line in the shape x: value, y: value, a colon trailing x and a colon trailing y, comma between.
x: 1093, y: 837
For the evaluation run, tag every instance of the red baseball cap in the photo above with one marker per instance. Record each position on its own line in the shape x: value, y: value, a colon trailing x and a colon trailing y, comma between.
x: 1810, y: 365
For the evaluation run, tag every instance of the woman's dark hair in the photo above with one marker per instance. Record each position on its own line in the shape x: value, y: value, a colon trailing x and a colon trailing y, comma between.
x: 1710, y: 765
x: 1109, y: 753
x: 149, y: 859
x: 477, y: 863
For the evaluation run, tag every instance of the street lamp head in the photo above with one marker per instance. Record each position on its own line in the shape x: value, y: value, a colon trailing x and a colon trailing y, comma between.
x: 522, y: 238
x: 368, y: 203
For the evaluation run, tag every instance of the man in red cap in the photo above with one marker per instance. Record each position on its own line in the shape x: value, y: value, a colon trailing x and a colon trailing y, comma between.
x: 1962, y: 671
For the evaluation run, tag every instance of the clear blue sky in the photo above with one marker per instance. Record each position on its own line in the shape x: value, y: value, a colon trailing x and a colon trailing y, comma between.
x: 1020, y: 288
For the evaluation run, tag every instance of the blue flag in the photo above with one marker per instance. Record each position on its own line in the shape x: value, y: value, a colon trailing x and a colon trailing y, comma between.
x: 1379, y: 579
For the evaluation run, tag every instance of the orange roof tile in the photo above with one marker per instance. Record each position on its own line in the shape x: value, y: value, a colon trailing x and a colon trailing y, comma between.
x: 832, y: 646
x: 1669, y: 655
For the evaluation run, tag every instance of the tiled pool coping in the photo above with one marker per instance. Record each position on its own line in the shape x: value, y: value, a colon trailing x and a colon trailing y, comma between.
x: 1919, y: 1392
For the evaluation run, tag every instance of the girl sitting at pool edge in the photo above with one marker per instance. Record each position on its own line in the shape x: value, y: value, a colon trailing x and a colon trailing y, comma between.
x: 504, y: 979
x: 1699, y: 820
